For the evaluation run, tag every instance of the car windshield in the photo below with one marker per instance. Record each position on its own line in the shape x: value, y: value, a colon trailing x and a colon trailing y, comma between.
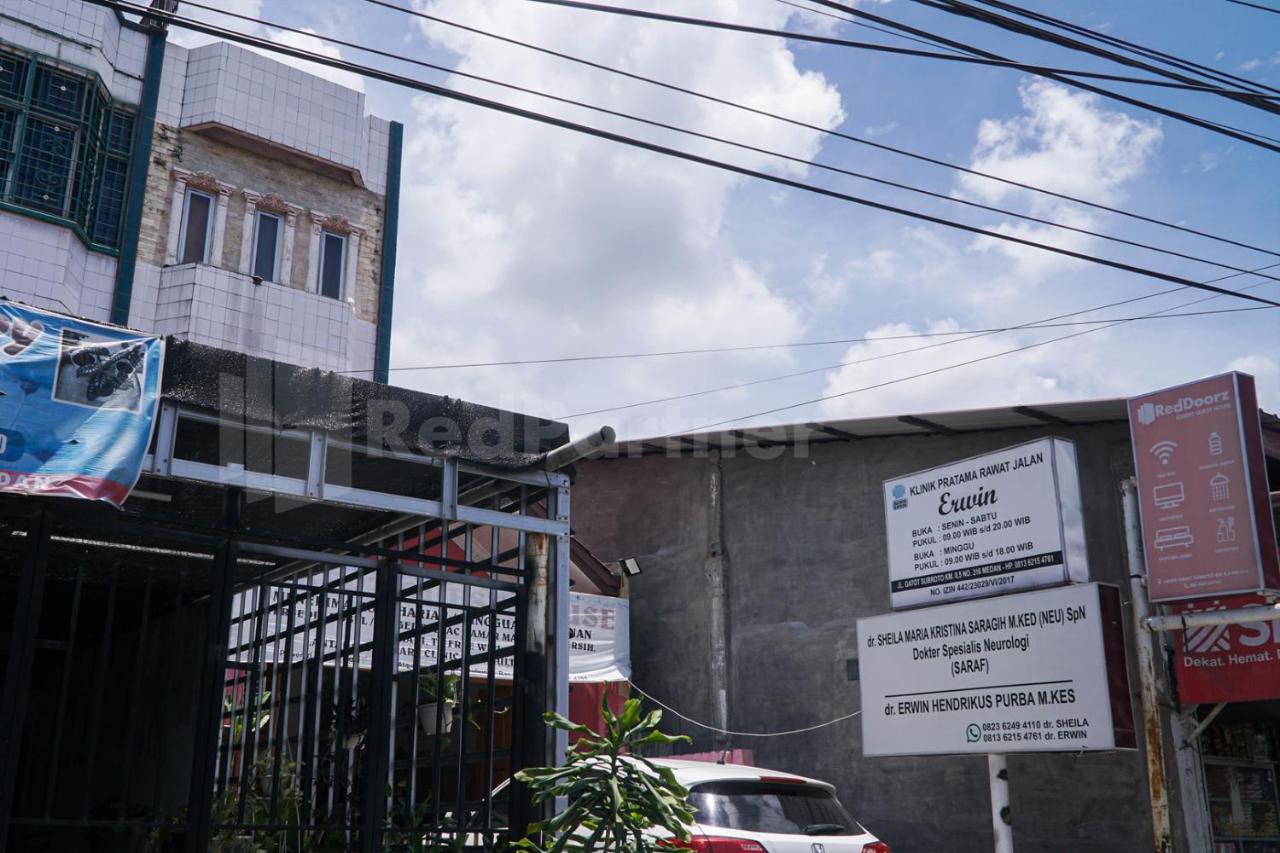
x: 771, y: 807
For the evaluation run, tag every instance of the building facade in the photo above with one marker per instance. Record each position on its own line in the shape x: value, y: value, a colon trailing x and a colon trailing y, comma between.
x: 212, y: 193
x: 761, y: 548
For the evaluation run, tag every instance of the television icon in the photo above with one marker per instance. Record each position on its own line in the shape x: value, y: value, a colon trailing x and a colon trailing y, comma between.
x: 1168, y: 495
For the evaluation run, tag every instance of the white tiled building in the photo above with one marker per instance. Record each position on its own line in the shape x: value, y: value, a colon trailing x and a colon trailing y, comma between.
x: 265, y: 208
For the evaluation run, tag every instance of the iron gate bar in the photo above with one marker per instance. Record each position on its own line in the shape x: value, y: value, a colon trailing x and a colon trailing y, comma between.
x: 385, y: 622
x: 13, y: 701
x: 100, y: 688
x: 213, y: 679
x: 64, y: 690
x: 135, y: 688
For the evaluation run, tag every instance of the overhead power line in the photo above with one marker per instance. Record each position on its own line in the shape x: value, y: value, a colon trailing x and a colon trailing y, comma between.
x: 1222, y: 77
x: 622, y: 139
x: 724, y: 141
x: 630, y: 356
x: 948, y: 367
x: 955, y: 7
x: 981, y: 57
x: 882, y: 30
x: 1255, y: 6
x: 974, y: 51
x: 817, y: 128
x: 1032, y: 326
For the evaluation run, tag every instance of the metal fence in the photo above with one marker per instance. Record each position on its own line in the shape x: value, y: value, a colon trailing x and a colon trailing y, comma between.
x: 207, y: 671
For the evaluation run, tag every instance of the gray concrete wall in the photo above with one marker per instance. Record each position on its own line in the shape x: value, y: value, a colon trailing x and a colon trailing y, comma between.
x: 804, y: 557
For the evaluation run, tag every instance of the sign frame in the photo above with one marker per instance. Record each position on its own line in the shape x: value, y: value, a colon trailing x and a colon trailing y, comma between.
x: 1069, y: 544
x: 1102, y: 683
x: 1248, y: 431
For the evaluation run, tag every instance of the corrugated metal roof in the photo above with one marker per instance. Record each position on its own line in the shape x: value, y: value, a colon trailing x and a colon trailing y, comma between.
x: 1071, y: 413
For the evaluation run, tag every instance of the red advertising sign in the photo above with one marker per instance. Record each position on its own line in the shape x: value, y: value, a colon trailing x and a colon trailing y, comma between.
x: 1228, y: 663
x: 1206, y: 517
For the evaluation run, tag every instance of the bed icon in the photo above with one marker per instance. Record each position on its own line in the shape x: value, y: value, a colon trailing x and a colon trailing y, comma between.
x: 1173, y: 537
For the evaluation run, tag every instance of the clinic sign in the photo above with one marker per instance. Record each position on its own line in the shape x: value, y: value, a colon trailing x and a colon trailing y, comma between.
x: 1038, y: 671
x: 1206, y: 519
x: 1000, y: 522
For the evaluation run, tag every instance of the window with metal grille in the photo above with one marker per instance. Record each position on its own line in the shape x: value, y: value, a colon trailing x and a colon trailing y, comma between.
x: 64, y: 146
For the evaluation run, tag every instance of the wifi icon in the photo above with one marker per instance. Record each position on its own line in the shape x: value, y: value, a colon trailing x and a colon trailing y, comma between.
x: 1162, y: 450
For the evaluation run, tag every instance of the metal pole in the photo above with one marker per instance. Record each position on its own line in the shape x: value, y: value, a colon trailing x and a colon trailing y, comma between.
x: 1144, y: 640
x: 1001, y: 820
x: 1239, y: 616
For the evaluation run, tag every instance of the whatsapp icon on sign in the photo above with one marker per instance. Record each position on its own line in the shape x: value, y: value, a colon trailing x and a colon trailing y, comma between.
x: 972, y: 734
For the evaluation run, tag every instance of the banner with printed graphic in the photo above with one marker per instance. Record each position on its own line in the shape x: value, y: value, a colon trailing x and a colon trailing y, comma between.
x: 77, y: 404
x: 277, y: 624
x: 1228, y: 663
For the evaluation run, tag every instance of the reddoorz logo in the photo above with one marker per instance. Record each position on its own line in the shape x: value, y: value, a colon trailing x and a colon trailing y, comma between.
x: 1148, y: 412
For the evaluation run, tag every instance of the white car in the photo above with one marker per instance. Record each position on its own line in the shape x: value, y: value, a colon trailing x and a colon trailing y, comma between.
x: 740, y: 809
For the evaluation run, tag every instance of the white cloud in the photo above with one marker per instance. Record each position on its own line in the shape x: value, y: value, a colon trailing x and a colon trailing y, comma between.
x: 309, y: 42
x: 520, y: 240
x: 881, y: 129
x: 1066, y: 142
x: 1056, y: 371
x: 1266, y: 370
x: 190, y: 38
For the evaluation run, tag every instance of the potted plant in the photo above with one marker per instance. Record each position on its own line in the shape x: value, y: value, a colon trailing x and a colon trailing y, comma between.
x: 437, y: 700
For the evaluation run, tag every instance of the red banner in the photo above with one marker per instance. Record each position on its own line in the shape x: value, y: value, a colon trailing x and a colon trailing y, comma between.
x: 1228, y: 663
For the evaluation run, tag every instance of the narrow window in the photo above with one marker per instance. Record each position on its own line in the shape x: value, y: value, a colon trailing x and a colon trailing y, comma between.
x: 197, y: 220
x: 333, y: 249
x: 266, y: 246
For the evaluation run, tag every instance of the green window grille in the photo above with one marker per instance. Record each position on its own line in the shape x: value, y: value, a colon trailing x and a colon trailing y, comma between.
x: 64, y: 147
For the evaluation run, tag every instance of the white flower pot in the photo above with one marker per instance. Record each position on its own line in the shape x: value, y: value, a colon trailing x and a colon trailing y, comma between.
x: 428, y: 713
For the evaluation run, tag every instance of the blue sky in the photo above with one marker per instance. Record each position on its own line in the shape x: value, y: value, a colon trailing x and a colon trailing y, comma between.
x: 519, y: 241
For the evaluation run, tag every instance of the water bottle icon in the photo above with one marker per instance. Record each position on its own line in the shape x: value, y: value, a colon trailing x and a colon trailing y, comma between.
x: 1215, y: 444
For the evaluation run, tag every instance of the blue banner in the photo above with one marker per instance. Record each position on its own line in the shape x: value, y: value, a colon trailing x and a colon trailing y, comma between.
x: 77, y: 404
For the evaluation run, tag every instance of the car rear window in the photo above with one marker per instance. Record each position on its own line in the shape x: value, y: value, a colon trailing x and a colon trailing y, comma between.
x: 786, y: 808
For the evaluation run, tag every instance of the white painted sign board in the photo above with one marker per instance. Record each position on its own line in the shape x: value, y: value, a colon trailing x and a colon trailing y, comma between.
x: 1000, y: 522
x: 1039, y: 671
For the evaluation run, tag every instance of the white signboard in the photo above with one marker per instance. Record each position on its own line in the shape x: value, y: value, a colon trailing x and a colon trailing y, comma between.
x: 1038, y: 671
x: 1001, y: 522
x: 599, y: 627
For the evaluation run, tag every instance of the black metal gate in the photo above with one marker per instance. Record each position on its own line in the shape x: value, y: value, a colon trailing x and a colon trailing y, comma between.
x: 205, y: 672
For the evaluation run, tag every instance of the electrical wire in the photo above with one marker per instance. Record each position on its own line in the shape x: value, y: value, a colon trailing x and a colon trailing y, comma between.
x: 523, y: 362
x: 721, y: 731
x: 1146, y: 52
x: 1204, y: 123
x: 955, y: 7
x: 817, y: 128
x: 724, y: 141
x: 968, y: 57
x: 981, y: 57
x: 862, y: 24
x: 969, y: 336
x: 936, y: 370
x: 1255, y: 6
x: 622, y: 139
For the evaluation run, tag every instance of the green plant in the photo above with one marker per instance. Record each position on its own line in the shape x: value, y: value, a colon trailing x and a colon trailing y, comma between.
x: 446, y: 690
x: 619, y: 802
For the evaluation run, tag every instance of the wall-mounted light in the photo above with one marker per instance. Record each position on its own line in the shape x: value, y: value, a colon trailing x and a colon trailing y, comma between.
x: 630, y: 567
